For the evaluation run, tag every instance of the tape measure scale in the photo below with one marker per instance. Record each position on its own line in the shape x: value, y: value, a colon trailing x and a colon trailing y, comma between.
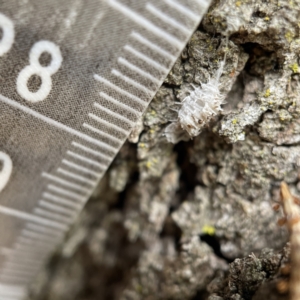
x: 75, y: 77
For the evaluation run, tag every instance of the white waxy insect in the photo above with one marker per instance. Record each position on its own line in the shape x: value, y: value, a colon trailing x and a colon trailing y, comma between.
x: 197, y: 109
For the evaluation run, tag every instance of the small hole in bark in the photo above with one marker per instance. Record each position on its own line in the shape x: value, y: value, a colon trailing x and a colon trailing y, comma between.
x: 213, y: 242
x: 259, y: 14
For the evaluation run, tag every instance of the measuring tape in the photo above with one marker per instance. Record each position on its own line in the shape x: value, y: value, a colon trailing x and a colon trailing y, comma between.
x: 75, y: 76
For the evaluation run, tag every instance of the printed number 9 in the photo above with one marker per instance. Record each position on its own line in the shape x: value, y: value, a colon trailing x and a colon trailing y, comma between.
x: 8, y: 34
x: 6, y: 42
x: 5, y: 171
x: 35, y: 68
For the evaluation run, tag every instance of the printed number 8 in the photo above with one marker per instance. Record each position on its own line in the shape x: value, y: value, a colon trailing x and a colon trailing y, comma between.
x: 35, y: 68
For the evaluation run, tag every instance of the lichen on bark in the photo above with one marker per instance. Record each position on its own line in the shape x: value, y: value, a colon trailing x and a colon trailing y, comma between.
x: 168, y: 220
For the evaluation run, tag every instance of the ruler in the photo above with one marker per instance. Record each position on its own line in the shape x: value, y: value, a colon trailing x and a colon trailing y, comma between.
x: 75, y: 76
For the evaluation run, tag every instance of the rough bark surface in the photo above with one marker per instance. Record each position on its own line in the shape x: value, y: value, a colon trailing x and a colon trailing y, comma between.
x: 193, y: 220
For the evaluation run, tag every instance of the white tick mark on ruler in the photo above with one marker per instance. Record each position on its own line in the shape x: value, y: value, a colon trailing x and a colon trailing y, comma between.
x: 203, y: 4
x: 43, y: 230
x: 4, y: 296
x: 36, y: 250
x: 119, y: 90
x: 52, y: 215
x: 167, y: 19
x: 108, y: 124
x: 138, y: 70
x: 5, y: 251
x: 57, y: 208
x: 145, y: 23
x: 23, y: 265
x: 20, y: 271
x: 152, y: 46
x: 26, y: 240
x: 30, y: 217
x: 66, y: 183
x: 51, y: 121
x: 12, y: 290
x: 16, y: 274
x: 120, y: 104
x: 182, y: 9
x: 30, y: 265
x: 65, y: 192
x: 113, y: 114
x: 20, y: 265
x: 13, y: 272
x: 77, y: 177
x: 61, y: 200
x: 80, y: 168
x: 146, y: 59
x: 44, y: 235
x: 20, y: 281
x: 13, y: 278
x: 9, y: 277
x: 132, y: 82
x: 38, y: 235
x: 86, y: 160
x: 11, y: 263
x: 27, y: 254
x: 104, y: 134
x: 8, y: 297
x: 34, y: 243
x: 92, y: 151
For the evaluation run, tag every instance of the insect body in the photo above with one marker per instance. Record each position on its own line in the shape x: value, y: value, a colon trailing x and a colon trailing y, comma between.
x: 201, y: 105
x: 198, y: 108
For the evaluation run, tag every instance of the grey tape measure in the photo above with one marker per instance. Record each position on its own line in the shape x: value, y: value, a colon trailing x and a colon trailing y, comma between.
x: 75, y: 76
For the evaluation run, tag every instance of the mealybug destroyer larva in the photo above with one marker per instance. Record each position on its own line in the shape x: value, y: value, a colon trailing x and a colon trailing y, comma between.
x: 197, y: 109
